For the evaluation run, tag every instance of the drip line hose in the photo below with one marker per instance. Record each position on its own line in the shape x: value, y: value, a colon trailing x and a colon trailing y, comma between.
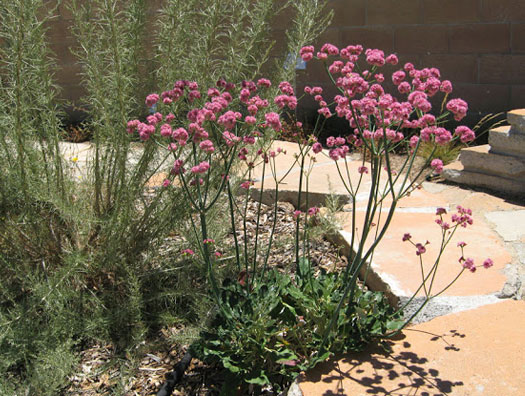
x: 175, y: 376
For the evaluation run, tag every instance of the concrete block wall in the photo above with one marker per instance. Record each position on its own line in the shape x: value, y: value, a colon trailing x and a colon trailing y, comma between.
x: 477, y: 44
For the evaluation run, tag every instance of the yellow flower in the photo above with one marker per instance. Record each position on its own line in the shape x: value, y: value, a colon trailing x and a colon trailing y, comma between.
x: 74, y: 159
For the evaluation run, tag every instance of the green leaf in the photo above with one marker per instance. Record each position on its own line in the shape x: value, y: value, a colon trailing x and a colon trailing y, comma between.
x: 257, y: 378
x: 395, y: 324
x: 226, y: 362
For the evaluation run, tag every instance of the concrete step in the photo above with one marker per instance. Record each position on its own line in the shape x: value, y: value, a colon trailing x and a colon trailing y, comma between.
x: 503, y: 142
x: 476, y: 352
x: 516, y: 119
x: 456, y: 173
x: 479, y: 159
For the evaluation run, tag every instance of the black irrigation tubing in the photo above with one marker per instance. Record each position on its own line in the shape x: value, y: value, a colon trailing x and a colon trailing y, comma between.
x: 175, y: 376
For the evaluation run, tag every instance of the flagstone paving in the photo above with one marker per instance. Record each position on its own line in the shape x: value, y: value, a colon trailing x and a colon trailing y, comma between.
x: 476, y: 352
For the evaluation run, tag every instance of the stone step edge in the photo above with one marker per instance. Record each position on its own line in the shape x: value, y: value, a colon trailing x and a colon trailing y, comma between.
x: 480, y: 159
x: 502, y: 142
x: 455, y: 173
x: 516, y: 118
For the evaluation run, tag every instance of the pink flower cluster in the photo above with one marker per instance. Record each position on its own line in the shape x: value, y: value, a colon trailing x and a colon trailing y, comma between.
x: 214, y: 113
x: 374, y: 114
x: 468, y: 263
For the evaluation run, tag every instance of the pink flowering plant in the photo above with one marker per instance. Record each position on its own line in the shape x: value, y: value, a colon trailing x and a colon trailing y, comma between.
x: 381, y: 122
x: 271, y: 326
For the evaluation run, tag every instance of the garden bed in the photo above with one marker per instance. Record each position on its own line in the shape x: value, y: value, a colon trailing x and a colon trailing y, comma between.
x: 101, y: 370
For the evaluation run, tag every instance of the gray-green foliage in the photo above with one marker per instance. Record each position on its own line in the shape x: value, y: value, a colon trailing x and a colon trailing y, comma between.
x: 232, y: 39
x: 79, y: 260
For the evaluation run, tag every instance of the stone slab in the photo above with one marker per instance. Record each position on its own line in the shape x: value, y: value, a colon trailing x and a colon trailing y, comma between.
x: 480, y: 159
x: 509, y: 225
x: 472, y: 353
x: 396, y: 264
x: 455, y: 173
x: 516, y: 118
x: 323, y: 177
x: 503, y: 142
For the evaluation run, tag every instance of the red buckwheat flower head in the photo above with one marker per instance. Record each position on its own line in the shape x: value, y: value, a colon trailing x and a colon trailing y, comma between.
x: 458, y: 107
x: 201, y: 168
x: 251, y: 120
x: 317, y: 148
x: 406, y: 237
x: 165, y: 130
x: 442, y: 136
x: 488, y: 263
x: 180, y: 135
x: 230, y: 138
x: 330, y: 49
x: 413, y: 141
x: 132, y: 126
x: 403, y: 87
x: 273, y: 120
x: 264, y: 82
x: 420, y: 249
x: 207, y: 146
x: 468, y: 263
x: 336, y: 67
x: 392, y: 59
x: 286, y: 88
x: 441, y: 211
x: 313, y: 211
x: 307, y: 53
x: 465, y: 134
x: 246, y: 184
x: 375, y: 57
x: 178, y: 167
x: 446, y: 86
x: 152, y: 99
x: 437, y: 165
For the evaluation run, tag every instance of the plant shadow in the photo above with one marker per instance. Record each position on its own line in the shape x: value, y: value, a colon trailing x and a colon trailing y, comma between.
x: 375, y: 371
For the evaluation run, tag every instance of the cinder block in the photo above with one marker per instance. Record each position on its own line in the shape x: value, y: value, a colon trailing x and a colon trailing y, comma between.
x: 483, y: 98
x: 503, y: 10
x: 369, y: 37
x: 451, y: 11
x: 393, y: 12
x: 518, y: 37
x: 454, y: 67
x: 480, y: 159
x: 502, y: 69
x: 456, y: 174
x: 348, y: 13
x: 480, y: 38
x: 422, y: 39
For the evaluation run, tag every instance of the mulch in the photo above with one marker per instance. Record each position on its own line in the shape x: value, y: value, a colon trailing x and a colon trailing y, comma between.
x: 101, y: 371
